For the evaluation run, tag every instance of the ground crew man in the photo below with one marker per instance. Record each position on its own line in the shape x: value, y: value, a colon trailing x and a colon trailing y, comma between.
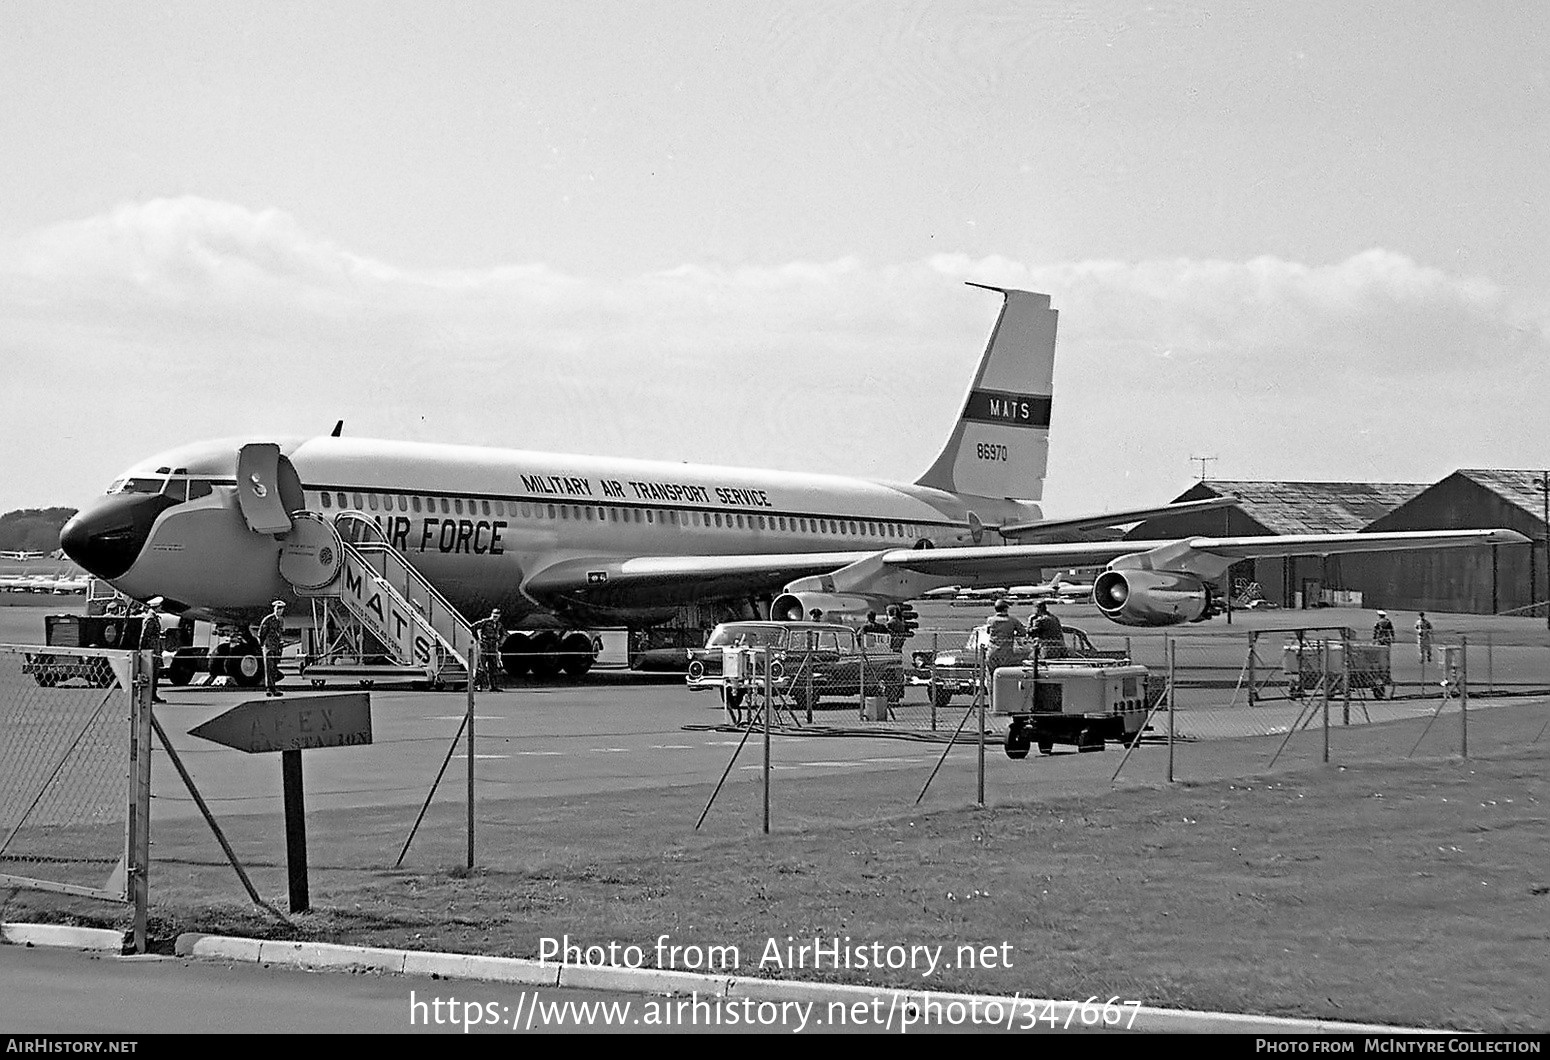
x: 1003, y: 631
x: 872, y: 624
x: 271, y: 638
x: 1383, y: 629
x: 1048, y: 631
x: 151, y: 641
x: 1423, y: 637
x: 898, y: 630
x: 489, y: 632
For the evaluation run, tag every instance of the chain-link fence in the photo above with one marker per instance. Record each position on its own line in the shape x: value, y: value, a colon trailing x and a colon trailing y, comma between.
x: 71, y: 795
x: 1225, y: 684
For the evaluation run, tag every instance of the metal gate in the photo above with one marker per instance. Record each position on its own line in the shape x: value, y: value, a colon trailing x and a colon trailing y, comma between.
x: 75, y: 773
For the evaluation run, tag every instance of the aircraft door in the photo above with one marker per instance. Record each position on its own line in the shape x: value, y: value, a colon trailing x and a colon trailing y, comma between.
x: 268, y: 488
x: 310, y: 559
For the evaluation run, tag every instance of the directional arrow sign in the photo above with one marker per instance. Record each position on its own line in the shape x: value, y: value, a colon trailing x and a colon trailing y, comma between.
x: 299, y: 724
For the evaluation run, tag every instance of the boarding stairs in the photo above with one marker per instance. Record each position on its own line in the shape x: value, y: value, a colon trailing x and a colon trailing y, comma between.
x: 374, y: 616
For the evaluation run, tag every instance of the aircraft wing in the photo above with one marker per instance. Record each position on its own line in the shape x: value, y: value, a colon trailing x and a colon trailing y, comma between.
x: 658, y: 580
x: 1207, y: 557
x: 644, y: 581
x: 1028, y: 532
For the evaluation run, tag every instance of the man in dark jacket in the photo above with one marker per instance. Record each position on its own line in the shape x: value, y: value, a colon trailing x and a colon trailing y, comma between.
x: 151, y: 641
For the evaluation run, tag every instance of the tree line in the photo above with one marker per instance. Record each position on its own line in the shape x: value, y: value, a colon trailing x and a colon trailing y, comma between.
x: 33, y: 529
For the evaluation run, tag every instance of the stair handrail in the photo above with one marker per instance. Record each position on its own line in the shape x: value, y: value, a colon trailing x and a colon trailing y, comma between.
x: 375, y: 544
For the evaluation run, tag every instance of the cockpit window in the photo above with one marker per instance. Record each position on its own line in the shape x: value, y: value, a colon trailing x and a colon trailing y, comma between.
x: 198, y: 487
x: 177, y: 489
x: 142, y: 485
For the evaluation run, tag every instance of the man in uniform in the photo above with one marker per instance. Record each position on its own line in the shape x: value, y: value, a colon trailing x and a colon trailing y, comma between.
x: 489, y: 632
x: 271, y: 638
x: 1423, y: 638
x: 1002, y: 631
x: 1383, y: 629
x: 898, y: 630
x: 1048, y: 631
x: 872, y: 624
x: 151, y: 641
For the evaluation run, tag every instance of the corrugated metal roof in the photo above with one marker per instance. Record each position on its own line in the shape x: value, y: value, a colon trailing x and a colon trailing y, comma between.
x: 1314, y: 507
x: 1515, y: 487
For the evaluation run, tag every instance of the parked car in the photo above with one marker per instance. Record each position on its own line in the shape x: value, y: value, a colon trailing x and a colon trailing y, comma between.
x: 809, y: 661
x: 952, y: 671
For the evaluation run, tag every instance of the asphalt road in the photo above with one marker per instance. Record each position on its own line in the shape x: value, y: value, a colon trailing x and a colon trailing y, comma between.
x: 53, y: 991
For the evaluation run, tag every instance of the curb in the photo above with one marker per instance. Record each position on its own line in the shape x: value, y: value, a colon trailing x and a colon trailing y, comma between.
x: 75, y: 938
x: 1021, y: 1013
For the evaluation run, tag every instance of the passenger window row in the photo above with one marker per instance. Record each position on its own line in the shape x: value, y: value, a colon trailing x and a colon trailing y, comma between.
x: 399, y: 502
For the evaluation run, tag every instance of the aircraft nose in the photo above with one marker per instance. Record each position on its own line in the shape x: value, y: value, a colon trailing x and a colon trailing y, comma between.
x: 106, y: 538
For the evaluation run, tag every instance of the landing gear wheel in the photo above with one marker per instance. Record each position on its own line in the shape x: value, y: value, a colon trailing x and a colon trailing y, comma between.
x: 544, y: 660
x: 245, y: 667
x: 732, y: 699
x: 944, y: 696
x: 184, y: 665
x: 577, y: 654
x: 514, y: 654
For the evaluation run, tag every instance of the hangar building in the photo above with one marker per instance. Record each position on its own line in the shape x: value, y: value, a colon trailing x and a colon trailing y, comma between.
x: 1473, y: 580
x: 1289, y: 508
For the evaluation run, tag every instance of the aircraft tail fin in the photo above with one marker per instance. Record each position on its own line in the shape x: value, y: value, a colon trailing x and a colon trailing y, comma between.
x: 1000, y: 445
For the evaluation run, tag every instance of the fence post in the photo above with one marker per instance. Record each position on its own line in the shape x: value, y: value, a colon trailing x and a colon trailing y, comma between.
x: 1171, y: 646
x: 1324, y: 686
x: 984, y: 694
x: 1345, y: 683
x: 140, y: 809
x: 473, y: 669
x: 1253, y: 655
x: 1490, y: 680
x: 931, y: 684
x: 861, y: 692
x: 767, y: 701
x: 1464, y: 696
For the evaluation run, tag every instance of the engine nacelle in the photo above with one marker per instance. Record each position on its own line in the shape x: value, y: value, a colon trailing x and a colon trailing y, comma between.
x: 848, y: 609
x: 1152, y: 597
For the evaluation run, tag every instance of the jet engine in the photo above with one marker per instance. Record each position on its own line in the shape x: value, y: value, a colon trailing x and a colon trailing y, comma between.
x: 848, y: 609
x: 1152, y: 597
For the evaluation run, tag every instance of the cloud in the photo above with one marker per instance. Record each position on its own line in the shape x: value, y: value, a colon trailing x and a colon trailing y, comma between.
x: 230, y: 319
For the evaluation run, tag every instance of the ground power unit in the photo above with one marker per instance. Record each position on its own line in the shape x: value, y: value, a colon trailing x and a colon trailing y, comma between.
x: 1069, y: 703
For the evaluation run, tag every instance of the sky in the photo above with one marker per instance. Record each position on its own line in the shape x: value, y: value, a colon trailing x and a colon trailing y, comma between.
x: 1308, y: 240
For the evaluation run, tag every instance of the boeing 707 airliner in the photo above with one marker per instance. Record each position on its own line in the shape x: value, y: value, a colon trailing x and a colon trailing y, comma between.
x: 563, y: 542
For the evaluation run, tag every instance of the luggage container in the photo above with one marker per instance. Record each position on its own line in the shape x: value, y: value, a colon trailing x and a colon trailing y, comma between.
x: 1303, y: 664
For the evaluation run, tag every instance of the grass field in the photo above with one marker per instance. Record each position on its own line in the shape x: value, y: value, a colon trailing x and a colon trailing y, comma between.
x: 1378, y: 889
x: 1414, y: 893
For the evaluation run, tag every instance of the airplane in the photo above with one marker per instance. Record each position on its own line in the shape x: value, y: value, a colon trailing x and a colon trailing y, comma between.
x: 566, y: 542
x: 1056, y: 590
